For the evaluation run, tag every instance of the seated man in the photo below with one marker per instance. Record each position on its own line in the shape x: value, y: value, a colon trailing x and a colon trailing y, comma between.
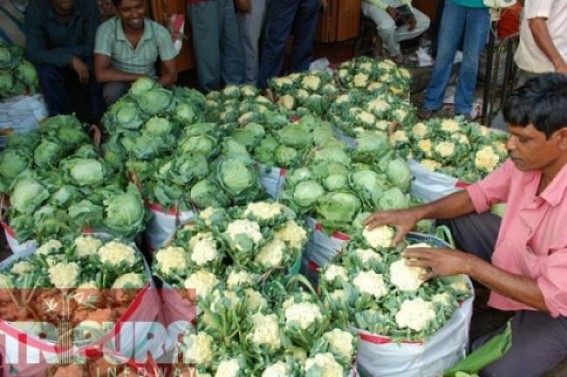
x: 127, y: 48
x: 59, y: 41
x: 394, y: 25
x: 523, y: 259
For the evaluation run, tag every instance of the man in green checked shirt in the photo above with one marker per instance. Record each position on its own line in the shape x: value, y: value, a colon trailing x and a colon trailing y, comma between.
x: 127, y: 47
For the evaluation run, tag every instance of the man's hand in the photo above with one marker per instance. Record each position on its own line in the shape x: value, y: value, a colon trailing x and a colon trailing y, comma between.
x: 411, y: 22
x: 403, y: 220
x: 393, y: 12
x: 561, y: 67
x: 81, y: 69
x: 242, y: 6
x: 440, y: 262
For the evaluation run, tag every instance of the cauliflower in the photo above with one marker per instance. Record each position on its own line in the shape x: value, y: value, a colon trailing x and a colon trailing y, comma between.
x: 375, y: 85
x: 404, y: 73
x: 387, y: 64
x: 303, y: 313
x: 340, y: 343
x: 64, y: 275
x: 115, y: 253
x: 360, y: 80
x: 338, y: 295
x: 265, y: 330
x: 415, y: 314
x: 400, y: 114
x: 460, y: 138
x: 262, y: 210
x: 248, y: 90
x: 378, y: 237
x: 378, y: 105
x: 271, y: 255
x: 311, y: 82
x: 291, y: 233
x: 228, y: 368
x: 206, y: 215
x: 130, y: 280
x: 366, y: 117
x: 326, y: 364
x: 382, y: 125
x: 200, y: 350
x: 203, y: 248
x: 333, y: 271
x: 238, y: 278
x: 430, y: 165
x: 279, y: 369
x: 91, y: 284
x: 406, y: 278
x: 286, y: 102
x: 245, y: 118
x: 419, y: 130
x: 49, y: 247
x: 302, y: 94
x: 343, y: 98
x: 445, y: 149
x: 486, y: 159
x: 449, y: 125
x: 86, y: 245
x: 255, y: 299
x: 367, y: 255
x: 398, y: 136
x: 371, y: 283
x: 459, y: 284
x: 248, y: 228
x: 202, y: 281
x: 6, y: 282
x: 442, y: 298
x: 366, y: 66
x: 425, y: 146
x: 343, y: 73
x: 171, y: 259
x: 21, y: 268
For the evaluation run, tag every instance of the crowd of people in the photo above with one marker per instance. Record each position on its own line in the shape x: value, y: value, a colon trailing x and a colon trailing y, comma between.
x: 522, y: 258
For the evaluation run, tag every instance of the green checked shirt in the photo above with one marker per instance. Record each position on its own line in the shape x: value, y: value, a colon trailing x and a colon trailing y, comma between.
x: 155, y: 42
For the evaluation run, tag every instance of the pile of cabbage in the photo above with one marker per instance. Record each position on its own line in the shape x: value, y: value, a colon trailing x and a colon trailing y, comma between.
x: 57, y: 185
x: 17, y: 75
x: 454, y: 147
x: 252, y: 318
x: 369, y: 286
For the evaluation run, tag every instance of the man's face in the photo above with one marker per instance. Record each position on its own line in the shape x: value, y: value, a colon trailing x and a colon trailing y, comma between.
x: 530, y: 150
x: 132, y: 13
x: 63, y: 6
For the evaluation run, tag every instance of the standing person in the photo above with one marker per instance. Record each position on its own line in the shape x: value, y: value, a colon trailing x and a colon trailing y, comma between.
x: 393, y: 26
x: 469, y: 21
x: 523, y: 258
x: 128, y: 46
x: 216, y: 43
x: 299, y: 16
x: 543, y: 38
x: 60, y: 38
x: 251, y: 15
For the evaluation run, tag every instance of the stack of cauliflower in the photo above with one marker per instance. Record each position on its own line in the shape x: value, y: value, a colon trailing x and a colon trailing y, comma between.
x: 371, y: 287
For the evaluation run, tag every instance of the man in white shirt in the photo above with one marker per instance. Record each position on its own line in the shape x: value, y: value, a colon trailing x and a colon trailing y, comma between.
x: 393, y: 25
x: 543, y: 38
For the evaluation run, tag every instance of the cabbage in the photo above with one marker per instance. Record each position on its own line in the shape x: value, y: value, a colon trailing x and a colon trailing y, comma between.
x: 47, y: 154
x: 207, y: 194
x: 287, y: 157
x: 28, y: 194
x: 204, y: 144
x: 336, y: 182
x: 142, y: 85
x: 249, y: 135
x: 124, y: 213
x: 12, y: 163
x: 238, y: 178
x: 338, y: 208
x: 187, y: 169
x: 154, y: 101
x: 306, y: 193
x: 264, y: 152
x: 157, y: 126
x: 393, y: 198
x: 84, y: 171
x: 297, y: 135
x: 398, y: 172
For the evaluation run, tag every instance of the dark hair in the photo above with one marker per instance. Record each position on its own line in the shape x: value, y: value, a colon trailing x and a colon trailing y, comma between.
x: 116, y: 3
x: 541, y: 101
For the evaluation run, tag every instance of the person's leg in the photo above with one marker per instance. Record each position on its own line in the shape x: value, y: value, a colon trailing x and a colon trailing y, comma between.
x: 476, y: 234
x: 52, y: 83
x: 477, y: 24
x: 231, y: 58
x: 385, y: 25
x: 112, y: 91
x: 539, y: 342
x: 250, y: 25
x: 422, y: 23
x: 305, y: 26
x: 205, y: 27
x: 279, y: 22
x: 450, y: 33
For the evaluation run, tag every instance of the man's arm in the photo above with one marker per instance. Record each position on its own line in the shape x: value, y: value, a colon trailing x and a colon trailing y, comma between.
x: 453, y: 205
x: 544, y: 41
x: 36, y: 42
x: 446, y: 262
x: 105, y: 73
x: 91, y: 13
x: 168, y: 73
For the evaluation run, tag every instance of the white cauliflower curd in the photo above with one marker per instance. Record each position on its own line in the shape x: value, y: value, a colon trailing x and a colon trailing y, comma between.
x: 266, y: 330
x: 279, y: 369
x: 49, y: 247
x: 115, y: 253
x: 430, y: 165
x: 248, y: 228
x: 370, y: 283
x: 449, y: 125
x: 203, y: 248
x: 367, y: 255
x: 86, y: 245
x: 381, y: 236
x: 271, y: 255
x: 303, y: 313
x: 293, y: 234
x: 202, y: 281
x: 170, y: 259
x: 311, y: 82
x: 334, y: 271
x: 326, y: 363
x: 486, y: 159
x: 238, y: 278
x: 263, y: 210
x: 406, y: 278
x: 64, y: 275
x: 200, y: 349
x: 445, y: 149
x: 340, y: 343
x: 228, y: 368
x: 415, y: 314
x: 129, y: 280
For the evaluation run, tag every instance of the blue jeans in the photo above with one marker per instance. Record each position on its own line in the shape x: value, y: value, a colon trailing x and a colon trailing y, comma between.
x: 471, y: 25
x: 285, y: 16
x: 216, y: 43
x: 65, y: 95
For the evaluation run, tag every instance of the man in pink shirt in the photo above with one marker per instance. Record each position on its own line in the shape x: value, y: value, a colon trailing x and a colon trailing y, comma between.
x: 523, y: 259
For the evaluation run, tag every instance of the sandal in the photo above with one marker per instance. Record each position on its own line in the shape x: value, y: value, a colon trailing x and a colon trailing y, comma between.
x: 424, y: 113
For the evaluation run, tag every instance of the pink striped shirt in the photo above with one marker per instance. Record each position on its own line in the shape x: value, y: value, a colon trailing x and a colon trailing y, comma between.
x: 533, y: 236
